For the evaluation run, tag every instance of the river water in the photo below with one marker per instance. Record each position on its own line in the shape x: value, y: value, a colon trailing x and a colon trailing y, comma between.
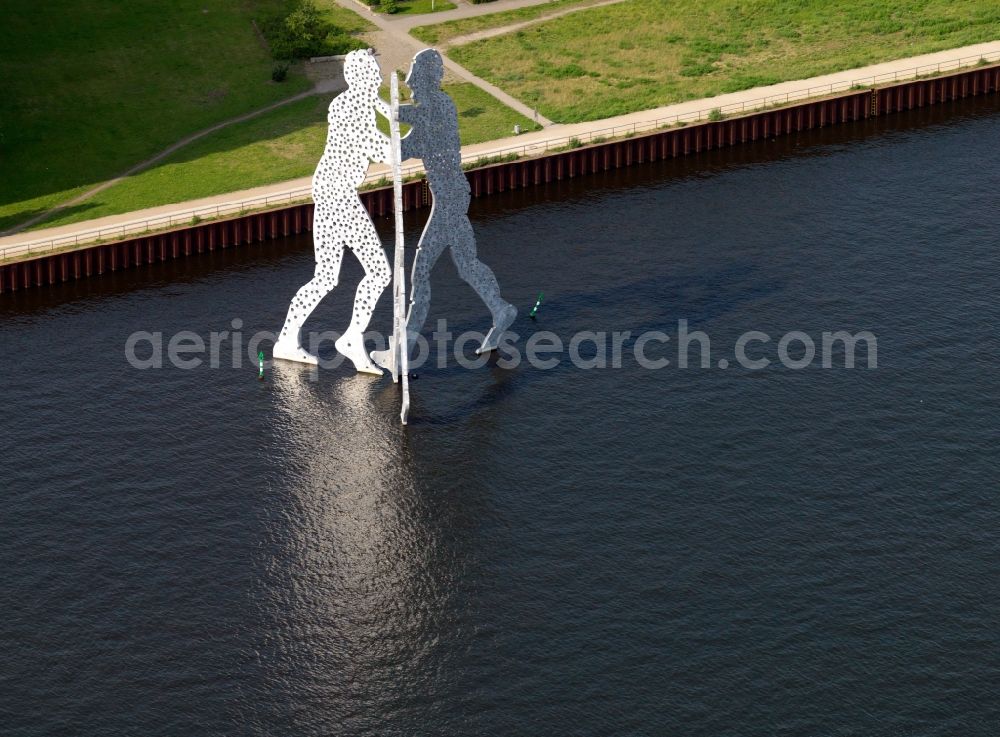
x: 699, y: 551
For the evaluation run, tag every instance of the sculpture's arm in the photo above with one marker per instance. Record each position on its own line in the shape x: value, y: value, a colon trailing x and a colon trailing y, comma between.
x: 409, y: 144
x: 408, y: 147
x: 409, y: 114
x: 381, y: 148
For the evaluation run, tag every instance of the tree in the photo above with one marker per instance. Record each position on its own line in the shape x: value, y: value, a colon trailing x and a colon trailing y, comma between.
x: 304, y: 32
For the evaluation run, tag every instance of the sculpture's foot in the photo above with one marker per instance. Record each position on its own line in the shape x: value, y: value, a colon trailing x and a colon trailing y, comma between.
x: 382, y: 358
x: 500, y: 325
x: 289, y: 350
x: 352, y: 345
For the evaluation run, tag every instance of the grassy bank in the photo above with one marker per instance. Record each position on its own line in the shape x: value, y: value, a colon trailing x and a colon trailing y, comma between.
x: 641, y: 54
x: 281, y: 145
x: 91, y: 88
x: 346, y: 20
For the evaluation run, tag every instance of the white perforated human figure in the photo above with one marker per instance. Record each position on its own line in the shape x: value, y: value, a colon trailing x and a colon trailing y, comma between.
x: 434, y: 139
x: 340, y: 220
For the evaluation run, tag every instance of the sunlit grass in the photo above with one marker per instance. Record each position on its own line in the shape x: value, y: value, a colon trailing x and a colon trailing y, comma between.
x: 347, y: 20
x: 419, y: 7
x: 441, y: 33
x: 90, y: 89
x: 641, y: 54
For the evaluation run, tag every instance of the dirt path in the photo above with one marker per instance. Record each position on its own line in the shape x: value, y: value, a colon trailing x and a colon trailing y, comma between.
x: 490, y: 32
x: 143, y: 165
x: 464, y: 10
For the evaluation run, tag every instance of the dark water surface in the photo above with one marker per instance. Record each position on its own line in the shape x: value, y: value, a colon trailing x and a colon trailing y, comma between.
x: 605, y: 552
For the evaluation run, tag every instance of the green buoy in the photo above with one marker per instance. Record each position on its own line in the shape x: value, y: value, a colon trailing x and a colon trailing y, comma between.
x: 538, y: 303
x: 260, y: 362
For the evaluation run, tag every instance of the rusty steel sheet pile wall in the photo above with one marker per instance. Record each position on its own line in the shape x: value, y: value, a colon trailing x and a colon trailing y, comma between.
x: 669, y: 143
x: 663, y: 144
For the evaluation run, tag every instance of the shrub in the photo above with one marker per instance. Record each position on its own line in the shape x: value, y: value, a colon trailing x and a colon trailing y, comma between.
x: 279, y: 72
x: 305, y: 32
x: 389, y: 6
x: 488, y: 160
x: 715, y: 115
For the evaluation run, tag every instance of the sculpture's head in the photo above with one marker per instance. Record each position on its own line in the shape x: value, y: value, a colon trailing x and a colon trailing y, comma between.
x: 426, y: 72
x: 361, y: 71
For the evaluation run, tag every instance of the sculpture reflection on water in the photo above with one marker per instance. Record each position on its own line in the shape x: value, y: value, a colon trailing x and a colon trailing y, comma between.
x: 356, y: 573
x: 341, y: 221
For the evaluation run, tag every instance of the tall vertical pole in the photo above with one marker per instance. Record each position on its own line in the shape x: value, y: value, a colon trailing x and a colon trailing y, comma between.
x: 400, y: 349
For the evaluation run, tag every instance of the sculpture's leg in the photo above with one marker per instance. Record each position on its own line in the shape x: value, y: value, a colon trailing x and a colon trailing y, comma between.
x: 328, y: 258
x: 432, y: 244
x: 428, y: 252
x: 480, y: 277
x: 377, y: 278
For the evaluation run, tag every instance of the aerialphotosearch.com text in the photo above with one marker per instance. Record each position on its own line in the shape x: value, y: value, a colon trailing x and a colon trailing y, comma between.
x: 683, y: 348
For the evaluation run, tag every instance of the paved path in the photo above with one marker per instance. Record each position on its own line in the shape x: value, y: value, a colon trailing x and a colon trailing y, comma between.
x: 536, y: 140
x: 396, y: 48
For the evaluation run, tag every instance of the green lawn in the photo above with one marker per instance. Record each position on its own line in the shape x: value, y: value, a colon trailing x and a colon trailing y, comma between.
x: 441, y: 33
x: 280, y: 145
x: 481, y: 117
x: 642, y: 54
x: 419, y: 7
x: 92, y: 88
x: 345, y: 19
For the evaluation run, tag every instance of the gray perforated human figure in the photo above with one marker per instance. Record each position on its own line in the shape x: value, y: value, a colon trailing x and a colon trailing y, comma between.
x: 434, y: 138
x: 340, y: 220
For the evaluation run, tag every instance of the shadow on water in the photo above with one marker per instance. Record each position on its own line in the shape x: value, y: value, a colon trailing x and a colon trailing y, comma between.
x: 655, y: 304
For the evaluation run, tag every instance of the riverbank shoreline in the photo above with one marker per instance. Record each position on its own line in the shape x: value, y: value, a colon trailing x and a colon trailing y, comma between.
x: 169, y: 215
x: 576, y: 160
